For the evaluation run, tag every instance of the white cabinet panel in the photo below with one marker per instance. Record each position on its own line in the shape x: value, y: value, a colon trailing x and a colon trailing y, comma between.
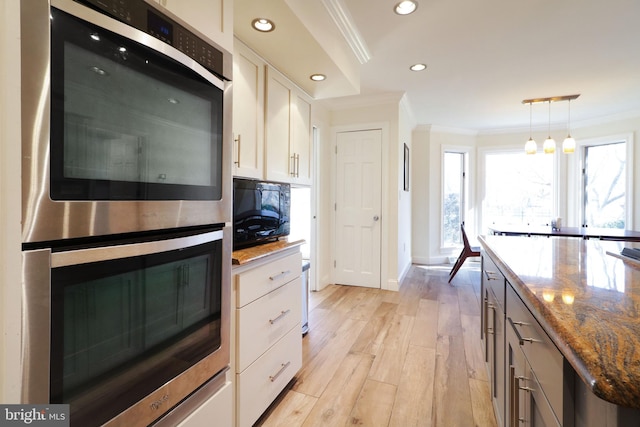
x: 248, y: 113
x: 301, y: 141
x: 254, y: 283
x: 261, y: 382
x: 218, y: 410
x: 278, y: 162
x: 288, y: 131
x: 262, y: 323
x: 266, y: 330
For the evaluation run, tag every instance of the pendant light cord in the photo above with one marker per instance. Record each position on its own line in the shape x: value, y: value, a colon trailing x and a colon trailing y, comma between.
x: 569, y: 120
x: 530, y: 118
x: 549, y: 137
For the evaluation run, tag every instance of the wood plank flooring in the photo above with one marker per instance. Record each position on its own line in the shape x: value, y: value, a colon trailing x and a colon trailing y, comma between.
x: 401, y: 359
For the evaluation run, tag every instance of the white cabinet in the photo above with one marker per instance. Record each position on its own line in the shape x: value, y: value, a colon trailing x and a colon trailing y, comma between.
x: 288, y: 131
x: 267, y: 331
x: 212, y: 18
x: 248, y: 112
x: 217, y: 407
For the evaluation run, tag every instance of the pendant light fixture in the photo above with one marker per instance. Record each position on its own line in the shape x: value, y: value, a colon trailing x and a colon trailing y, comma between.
x: 549, y: 145
x: 569, y: 144
x: 530, y: 147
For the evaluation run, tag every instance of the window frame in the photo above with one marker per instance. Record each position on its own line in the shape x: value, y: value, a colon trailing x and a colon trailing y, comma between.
x: 482, y: 172
x: 577, y: 176
x: 465, y: 190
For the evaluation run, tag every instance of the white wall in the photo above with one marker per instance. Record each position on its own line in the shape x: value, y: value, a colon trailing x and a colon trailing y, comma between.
x: 421, y: 195
x: 405, y: 234
x: 430, y: 143
x: 10, y: 242
x: 320, y: 118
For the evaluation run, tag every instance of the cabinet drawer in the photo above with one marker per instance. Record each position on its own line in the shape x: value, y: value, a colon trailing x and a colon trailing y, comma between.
x: 543, y: 356
x: 263, y: 322
x: 261, y: 382
x: 493, y: 279
x: 259, y: 281
x: 217, y: 407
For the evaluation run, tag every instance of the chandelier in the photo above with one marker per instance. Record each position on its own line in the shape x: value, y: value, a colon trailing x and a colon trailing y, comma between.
x: 549, y: 146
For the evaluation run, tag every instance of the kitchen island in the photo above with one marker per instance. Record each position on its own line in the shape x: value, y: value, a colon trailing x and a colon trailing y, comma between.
x: 586, y: 299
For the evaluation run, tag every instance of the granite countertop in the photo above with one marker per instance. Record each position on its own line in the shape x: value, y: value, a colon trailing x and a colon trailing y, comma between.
x: 253, y: 253
x: 587, y: 300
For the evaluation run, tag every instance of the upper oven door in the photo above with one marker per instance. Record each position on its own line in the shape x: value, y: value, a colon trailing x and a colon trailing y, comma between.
x: 134, y: 134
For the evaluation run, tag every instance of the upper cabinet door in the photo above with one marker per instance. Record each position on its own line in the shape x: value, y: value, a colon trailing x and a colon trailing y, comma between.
x: 248, y: 113
x: 278, y: 134
x: 301, y: 140
x: 213, y: 18
x: 288, y: 132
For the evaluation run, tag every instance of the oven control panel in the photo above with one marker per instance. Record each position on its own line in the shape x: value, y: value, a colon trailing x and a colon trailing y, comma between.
x: 144, y: 17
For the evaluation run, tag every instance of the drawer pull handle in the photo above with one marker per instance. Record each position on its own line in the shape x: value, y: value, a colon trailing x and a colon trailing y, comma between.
x: 520, y: 323
x: 514, y: 403
x: 284, y: 366
x: 491, y: 275
x: 279, y: 275
x: 521, y: 340
x: 280, y: 316
x: 529, y: 389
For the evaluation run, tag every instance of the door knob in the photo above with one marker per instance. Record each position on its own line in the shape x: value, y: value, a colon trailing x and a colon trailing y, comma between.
x: 376, y: 217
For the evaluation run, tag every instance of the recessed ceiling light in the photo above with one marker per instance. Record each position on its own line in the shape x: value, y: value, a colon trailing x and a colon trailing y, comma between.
x: 405, y: 7
x: 317, y: 77
x: 418, y: 67
x: 263, y: 24
x: 95, y: 36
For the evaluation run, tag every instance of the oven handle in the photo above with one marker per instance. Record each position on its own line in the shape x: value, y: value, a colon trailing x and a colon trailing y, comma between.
x: 106, y: 253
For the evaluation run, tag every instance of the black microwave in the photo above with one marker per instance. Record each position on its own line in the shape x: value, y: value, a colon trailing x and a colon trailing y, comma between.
x: 261, y: 211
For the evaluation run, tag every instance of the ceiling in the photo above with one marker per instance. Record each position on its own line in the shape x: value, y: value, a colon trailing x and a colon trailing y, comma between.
x: 483, y: 57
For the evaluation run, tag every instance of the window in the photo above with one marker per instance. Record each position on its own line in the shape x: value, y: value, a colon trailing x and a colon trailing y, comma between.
x: 453, y: 194
x: 604, y: 185
x: 518, y: 189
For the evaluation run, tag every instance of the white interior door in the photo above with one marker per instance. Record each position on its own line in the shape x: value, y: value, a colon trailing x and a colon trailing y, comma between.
x: 358, y: 208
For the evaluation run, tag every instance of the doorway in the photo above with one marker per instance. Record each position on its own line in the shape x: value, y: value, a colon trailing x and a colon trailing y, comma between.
x: 358, y: 208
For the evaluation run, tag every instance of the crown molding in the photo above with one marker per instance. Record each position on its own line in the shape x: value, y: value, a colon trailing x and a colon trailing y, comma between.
x: 342, y: 18
x: 452, y: 130
x: 363, y: 101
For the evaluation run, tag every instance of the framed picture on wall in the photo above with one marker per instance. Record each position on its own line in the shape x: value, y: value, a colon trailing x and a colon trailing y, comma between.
x: 406, y: 168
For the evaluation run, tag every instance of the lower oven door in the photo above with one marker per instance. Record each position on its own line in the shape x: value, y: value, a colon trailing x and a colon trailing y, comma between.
x: 122, y: 333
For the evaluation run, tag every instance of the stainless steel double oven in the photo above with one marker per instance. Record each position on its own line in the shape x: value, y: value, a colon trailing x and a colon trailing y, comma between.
x: 126, y: 206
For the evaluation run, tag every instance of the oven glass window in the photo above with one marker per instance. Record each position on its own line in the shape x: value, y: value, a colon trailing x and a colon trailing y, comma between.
x: 128, y: 123
x: 122, y: 328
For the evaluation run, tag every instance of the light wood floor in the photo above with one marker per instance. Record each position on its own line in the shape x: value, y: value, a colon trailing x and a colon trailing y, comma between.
x: 381, y: 358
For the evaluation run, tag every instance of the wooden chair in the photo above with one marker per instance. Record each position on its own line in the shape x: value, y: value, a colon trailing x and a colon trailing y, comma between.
x: 467, y: 251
